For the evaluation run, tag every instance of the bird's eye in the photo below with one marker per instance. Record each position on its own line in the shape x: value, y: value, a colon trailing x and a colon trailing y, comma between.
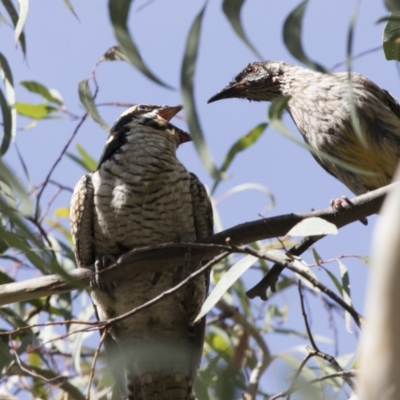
x: 251, y: 69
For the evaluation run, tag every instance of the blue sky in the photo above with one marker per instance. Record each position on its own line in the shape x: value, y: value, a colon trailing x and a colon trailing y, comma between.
x: 61, y: 51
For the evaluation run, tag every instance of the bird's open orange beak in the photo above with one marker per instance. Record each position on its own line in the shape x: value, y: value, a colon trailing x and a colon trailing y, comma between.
x: 169, y: 112
x: 234, y: 89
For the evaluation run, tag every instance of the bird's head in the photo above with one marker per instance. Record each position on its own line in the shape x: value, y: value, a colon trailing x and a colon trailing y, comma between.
x: 259, y: 81
x: 154, y: 116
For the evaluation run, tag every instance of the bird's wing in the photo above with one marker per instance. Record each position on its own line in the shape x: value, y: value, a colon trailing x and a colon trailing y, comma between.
x: 81, y: 218
x: 82, y: 230
x: 202, y: 208
x: 203, y: 221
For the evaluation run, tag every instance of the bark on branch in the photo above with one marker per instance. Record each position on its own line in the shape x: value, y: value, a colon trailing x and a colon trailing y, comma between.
x: 173, y: 254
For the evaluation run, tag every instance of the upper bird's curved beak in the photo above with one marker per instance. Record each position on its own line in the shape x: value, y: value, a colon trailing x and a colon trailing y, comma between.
x: 235, y: 89
x: 169, y: 112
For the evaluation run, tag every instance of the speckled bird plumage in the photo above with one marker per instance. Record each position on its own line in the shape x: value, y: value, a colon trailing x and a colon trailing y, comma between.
x: 140, y: 195
x: 320, y: 108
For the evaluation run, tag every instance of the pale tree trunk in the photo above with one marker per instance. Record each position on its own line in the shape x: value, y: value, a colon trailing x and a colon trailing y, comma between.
x: 380, y: 345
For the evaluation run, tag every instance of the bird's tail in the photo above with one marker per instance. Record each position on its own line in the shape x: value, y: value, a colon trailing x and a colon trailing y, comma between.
x: 153, y: 385
x: 158, y: 370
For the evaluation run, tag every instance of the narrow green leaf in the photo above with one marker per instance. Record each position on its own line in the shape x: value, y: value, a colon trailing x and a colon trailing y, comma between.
x: 5, y: 20
x: 275, y: 113
x: 242, y: 144
x: 391, y: 37
x: 35, y: 111
x: 227, y: 280
x: 317, y: 258
x: 78, y: 161
x: 344, y: 274
x: 249, y: 186
x: 292, y: 37
x: 36, y: 87
x: 8, y: 177
x: 232, y: 10
x: 23, y: 13
x: 12, y: 12
x: 87, y: 159
x: 313, y: 227
x: 355, y: 121
x: 7, y: 124
x: 187, y: 91
x: 87, y: 100
x: 392, y: 5
x: 69, y: 6
x: 119, y: 11
x: 6, y: 75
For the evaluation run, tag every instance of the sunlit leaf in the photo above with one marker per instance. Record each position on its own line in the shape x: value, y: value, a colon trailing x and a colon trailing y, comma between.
x: 391, y: 37
x: 62, y: 212
x: 292, y: 37
x: 35, y: 111
x: 87, y: 100
x: 23, y: 13
x: 313, y: 227
x: 275, y: 113
x: 36, y: 87
x: 232, y: 9
x: 187, y: 91
x: 227, y: 280
x: 12, y: 12
x: 248, y: 186
x: 119, y: 12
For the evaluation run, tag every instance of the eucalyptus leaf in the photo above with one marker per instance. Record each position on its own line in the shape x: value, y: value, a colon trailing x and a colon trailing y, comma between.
x: 313, y: 227
x: 36, y: 87
x: 12, y: 12
x: 119, y: 11
x: 34, y: 111
x: 227, y: 280
x: 391, y: 37
x: 292, y: 30
x: 232, y: 9
x: 187, y: 91
x: 23, y: 13
x: 87, y: 99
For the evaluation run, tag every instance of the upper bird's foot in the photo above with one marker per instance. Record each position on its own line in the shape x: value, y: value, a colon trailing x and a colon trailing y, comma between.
x: 99, y: 283
x: 337, y: 205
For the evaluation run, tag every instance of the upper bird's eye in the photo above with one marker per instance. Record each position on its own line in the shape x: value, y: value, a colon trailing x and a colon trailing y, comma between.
x: 251, y: 69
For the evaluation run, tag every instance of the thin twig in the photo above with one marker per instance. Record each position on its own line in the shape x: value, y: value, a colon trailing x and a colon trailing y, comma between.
x: 342, y: 374
x: 168, y: 292
x: 63, y: 151
x: 96, y: 354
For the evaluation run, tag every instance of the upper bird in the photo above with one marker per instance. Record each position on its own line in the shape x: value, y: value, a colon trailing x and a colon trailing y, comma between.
x: 140, y: 195
x: 320, y: 106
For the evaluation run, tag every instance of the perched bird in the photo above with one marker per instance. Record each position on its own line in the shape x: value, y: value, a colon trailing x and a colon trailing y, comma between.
x: 320, y: 106
x: 141, y: 195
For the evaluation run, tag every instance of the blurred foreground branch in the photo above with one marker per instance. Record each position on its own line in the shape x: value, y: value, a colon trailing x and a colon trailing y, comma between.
x: 173, y: 254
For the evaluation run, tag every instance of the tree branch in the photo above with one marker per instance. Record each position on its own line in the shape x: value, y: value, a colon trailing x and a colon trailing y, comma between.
x: 173, y: 254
